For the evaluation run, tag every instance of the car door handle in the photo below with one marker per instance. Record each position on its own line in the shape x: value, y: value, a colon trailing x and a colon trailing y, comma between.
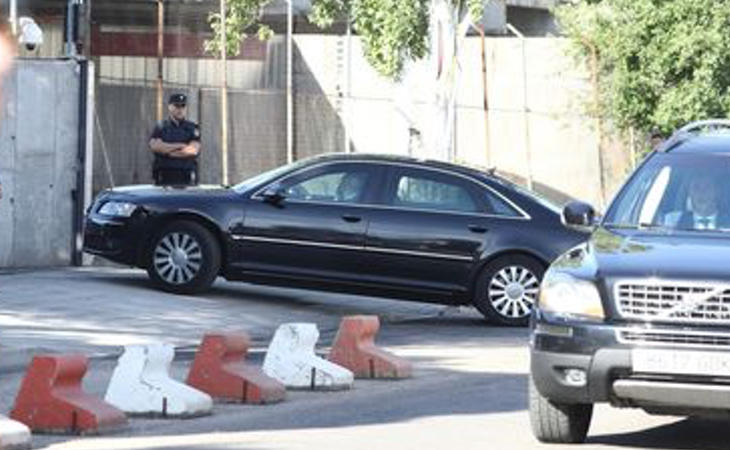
x: 351, y: 219
x: 478, y: 228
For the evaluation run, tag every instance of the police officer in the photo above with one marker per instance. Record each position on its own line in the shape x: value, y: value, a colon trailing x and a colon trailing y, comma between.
x: 176, y: 145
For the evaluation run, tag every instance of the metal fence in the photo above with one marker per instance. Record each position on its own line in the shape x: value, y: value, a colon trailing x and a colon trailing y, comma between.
x: 536, y: 130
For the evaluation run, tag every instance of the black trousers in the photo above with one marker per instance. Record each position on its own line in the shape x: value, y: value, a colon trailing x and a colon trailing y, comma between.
x: 175, y: 177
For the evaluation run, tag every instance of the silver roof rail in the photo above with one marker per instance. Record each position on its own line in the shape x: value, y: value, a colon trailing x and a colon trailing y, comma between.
x: 712, y: 124
x: 688, y: 130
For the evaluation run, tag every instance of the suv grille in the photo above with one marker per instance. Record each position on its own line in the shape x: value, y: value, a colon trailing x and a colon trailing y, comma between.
x: 673, y: 302
x: 678, y: 338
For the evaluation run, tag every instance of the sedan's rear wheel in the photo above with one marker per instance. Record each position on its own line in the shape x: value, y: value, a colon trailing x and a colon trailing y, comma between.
x: 184, y: 259
x: 507, y: 289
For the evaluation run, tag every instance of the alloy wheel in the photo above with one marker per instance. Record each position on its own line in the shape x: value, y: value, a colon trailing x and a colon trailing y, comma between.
x: 177, y: 258
x: 512, y: 291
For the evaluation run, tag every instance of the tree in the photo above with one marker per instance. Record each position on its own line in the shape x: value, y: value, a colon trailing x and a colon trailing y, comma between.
x: 660, y: 63
x: 393, y: 32
x: 241, y: 16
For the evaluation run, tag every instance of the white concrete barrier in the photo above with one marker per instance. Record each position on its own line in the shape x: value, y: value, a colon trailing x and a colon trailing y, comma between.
x: 141, y: 385
x: 13, y: 435
x: 291, y: 360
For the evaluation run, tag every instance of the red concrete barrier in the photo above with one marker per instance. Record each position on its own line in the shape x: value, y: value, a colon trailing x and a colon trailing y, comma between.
x: 51, y: 399
x: 355, y: 349
x: 220, y: 370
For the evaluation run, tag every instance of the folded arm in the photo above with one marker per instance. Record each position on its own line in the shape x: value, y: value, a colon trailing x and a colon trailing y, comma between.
x: 164, y: 148
x: 190, y: 150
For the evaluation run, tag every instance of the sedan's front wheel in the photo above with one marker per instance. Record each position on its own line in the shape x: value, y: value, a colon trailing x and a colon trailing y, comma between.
x: 185, y: 258
x: 507, y: 289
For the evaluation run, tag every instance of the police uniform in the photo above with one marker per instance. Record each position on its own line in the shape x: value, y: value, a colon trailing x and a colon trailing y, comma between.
x: 167, y: 170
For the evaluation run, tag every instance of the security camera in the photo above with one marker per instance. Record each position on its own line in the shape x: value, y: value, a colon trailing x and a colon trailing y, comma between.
x: 30, y: 35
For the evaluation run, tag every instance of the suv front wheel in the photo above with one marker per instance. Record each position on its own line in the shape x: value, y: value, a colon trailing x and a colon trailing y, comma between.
x: 559, y: 423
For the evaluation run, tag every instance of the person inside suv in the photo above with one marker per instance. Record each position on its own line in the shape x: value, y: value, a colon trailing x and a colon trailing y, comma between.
x: 639, y: 315
x: 705, y: 211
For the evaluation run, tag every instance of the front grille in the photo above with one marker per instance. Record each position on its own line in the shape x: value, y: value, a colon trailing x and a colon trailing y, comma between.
x: 674, y: 338
x: 673, y: 302
x: 94, y: 242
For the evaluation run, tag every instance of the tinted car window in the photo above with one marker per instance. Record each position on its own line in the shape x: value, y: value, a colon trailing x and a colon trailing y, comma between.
x: 336, y: 185
x: 676, y: 191
x: 426, y: 192
x: 499, y: 207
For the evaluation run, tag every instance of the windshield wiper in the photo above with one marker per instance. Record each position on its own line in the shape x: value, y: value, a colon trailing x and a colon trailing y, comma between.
x: 621, y: 226
x: 641, y: 226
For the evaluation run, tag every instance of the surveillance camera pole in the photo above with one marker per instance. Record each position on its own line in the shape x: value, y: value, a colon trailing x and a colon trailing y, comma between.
x: 70, y: 32
x: 72, y: 26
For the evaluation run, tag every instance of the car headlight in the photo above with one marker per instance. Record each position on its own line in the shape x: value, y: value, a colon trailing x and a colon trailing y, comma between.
x: 565, y: 295
x: 117, y: 209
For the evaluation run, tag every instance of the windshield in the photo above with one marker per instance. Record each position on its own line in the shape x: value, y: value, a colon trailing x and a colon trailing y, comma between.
x: 676, y: 192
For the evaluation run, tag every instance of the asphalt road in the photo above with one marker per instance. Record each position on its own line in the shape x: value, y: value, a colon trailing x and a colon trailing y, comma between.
x: 468, y: 390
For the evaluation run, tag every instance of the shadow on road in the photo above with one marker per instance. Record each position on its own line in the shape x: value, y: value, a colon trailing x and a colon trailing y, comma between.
x: 687, y: 434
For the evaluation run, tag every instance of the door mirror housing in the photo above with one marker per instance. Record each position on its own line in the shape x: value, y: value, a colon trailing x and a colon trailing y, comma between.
x: 579, y: 214
x: 274, y: 195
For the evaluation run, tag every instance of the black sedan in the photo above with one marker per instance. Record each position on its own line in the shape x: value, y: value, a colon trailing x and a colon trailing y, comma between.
x: 382, y: 225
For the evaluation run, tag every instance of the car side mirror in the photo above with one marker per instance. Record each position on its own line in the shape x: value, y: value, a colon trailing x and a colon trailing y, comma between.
x: 579, y: 214
x: 274, y: 195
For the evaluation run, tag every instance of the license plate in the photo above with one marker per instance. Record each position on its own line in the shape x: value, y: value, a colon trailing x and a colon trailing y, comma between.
x: 681, y: 362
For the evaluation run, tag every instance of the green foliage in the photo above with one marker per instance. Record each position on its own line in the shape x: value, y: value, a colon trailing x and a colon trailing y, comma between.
x: 392, y: 31
x: 476, y: 9
x: 241, y: 15
x: 661, y: 63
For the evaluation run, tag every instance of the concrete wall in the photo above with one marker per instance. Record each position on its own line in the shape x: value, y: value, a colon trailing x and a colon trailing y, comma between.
x: 563, y: 143
x: 39, y: 144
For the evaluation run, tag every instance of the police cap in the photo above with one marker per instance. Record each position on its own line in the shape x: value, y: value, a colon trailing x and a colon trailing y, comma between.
x: 178, y: 99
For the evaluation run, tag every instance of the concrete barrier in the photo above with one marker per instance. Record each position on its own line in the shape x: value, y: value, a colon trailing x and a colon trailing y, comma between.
x: 141, y: 385
x: 220, y: 370
x: 354, y: 348
x: 291, y: 360
x: 51, y: 399
x: 13, y: 435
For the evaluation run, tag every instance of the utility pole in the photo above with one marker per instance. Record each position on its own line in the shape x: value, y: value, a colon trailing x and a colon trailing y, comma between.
x: 160, y: 55
x: 224, y: 95
x: 348, y: 85
x: 14, y: 17
x: 289, y: 83
x: 485, y: 88
x: 525, y: 106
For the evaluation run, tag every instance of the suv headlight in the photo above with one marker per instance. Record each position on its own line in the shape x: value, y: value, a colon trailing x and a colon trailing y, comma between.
x: 565, y: 295
x: 117, y: 209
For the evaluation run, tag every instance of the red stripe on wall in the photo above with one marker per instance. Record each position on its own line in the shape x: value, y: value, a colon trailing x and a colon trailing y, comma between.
x: 177, y: 45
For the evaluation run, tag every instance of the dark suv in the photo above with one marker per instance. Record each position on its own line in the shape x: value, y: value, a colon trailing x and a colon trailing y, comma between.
x: 639, y: 316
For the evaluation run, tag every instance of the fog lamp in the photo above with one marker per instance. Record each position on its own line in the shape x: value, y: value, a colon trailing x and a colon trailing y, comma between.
x: 575, y: 377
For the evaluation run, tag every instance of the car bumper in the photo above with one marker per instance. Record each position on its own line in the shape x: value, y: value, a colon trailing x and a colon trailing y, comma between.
x: 111, y: 239
x: 559, y: 349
